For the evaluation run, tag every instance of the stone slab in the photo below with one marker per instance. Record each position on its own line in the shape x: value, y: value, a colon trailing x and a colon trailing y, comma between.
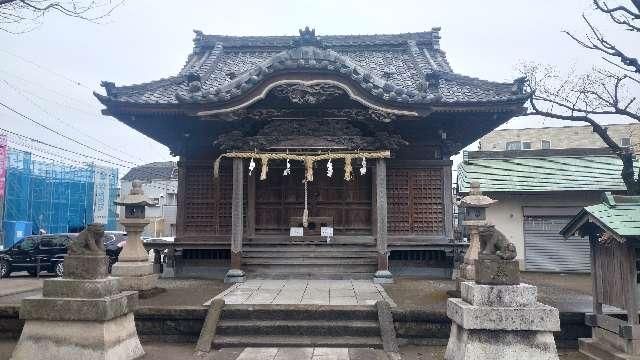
x: 78, y: 309
x: 77, y: 288
x: 114, y: 339
x: 138, y: 283
x: 497, y: 272
x: 134, y: 268
x: 86, y: 266
x: 467, y: 344
x: 520, y: 295
x: 537, y: 317
x: 596, y: 350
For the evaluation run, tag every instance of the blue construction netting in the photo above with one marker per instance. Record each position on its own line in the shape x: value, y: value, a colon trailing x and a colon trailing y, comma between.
x: 55, y: 197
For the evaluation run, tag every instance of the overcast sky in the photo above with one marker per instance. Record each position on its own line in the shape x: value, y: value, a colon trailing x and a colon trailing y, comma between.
x: 48, y: 74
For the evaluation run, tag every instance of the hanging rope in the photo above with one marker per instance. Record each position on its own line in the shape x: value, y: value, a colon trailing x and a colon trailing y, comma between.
x: 307, y: 159
x: 305, y: 213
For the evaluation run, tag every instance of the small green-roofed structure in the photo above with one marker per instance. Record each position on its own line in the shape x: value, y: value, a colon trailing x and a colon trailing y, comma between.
x: 613, y: 230
x: 617, y: 215
x: 538, y: 171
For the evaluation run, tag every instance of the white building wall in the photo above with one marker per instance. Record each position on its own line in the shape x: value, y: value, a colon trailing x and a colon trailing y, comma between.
x: 163, y: 216
x: 507, y: 215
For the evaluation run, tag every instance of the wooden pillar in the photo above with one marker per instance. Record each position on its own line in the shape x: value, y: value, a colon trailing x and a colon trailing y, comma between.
x: 181, y: 196
x: 597, y: 305
x: 631, y: 278
x: 381, y: 214
x: 236, y: 214
x: 447, y: 201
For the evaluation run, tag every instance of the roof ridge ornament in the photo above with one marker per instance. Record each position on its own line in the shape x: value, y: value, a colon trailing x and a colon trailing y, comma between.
x: 307, y: 38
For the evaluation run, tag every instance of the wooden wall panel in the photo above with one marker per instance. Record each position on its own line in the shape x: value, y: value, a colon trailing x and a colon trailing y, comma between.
x: 415, y: 201
x: 207, y: 203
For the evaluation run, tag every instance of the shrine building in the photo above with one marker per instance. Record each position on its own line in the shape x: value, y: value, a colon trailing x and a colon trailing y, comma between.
x: 315, y: 156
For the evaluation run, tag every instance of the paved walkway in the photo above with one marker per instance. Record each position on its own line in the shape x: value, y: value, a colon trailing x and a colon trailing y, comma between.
x: 311, y: 354
x: 320, y: 292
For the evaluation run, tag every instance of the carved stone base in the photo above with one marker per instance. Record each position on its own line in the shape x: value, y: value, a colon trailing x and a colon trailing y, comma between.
x: 497, y: 272
x: 114, y: 339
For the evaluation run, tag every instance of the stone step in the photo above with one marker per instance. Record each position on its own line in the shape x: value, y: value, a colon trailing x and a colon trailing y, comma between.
x: 319, y: 247
x: 274, y: 275
x: 312, y: 269
x: 297, y: 341
x: 308, y: 261
x: 598, y: 350
x: 251, y: 252
x: 299, y: 327
x: 293, y: 312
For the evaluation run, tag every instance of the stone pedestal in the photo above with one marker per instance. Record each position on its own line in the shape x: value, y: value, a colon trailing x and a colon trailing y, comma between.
x: 467, y: 270
x: 492, y: 322
x: 81, y: 316
x: 133, y: 267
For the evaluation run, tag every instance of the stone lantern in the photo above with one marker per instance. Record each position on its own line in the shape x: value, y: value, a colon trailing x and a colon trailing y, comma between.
x: 133, y: 266
x: 475, y: 216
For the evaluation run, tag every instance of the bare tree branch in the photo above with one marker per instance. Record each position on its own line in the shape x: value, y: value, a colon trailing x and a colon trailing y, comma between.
x: 30, y: 12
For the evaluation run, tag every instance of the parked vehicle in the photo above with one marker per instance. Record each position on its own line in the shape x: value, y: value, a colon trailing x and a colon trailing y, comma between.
x: 46, y: 253
x: 37, y: 252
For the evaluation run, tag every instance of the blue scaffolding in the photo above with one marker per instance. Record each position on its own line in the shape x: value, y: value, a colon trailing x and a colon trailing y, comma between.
x: 53, y: 196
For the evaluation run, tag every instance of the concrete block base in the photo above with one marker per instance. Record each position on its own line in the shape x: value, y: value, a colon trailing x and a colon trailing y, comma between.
x: 135, y: 275
x: 383, y: 277
x: 494, y: 322
x: 138, y: 283
x: 500, y: 344
x: 234, y: 276
x: 115, y: 339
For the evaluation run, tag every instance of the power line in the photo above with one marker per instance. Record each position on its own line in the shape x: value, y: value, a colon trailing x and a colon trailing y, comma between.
x: 67, y: 124
x: 60, y: 134
x: 44, y: 87
x: 44, y: 68
x: 72, y: 152
x: 37, y: 141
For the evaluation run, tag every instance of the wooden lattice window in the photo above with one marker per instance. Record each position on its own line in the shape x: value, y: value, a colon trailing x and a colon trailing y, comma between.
x: 207, y: 207
x: 414, y: 201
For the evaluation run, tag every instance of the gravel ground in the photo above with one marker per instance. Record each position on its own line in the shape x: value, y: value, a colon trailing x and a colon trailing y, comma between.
x: 567, y: 292
x: 187, y: 292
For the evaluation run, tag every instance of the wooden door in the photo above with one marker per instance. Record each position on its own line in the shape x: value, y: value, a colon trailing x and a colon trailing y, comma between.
x: 348, y: 203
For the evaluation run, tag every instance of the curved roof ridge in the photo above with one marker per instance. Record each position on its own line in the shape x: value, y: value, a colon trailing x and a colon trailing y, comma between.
x: 311, y: 58
x: 205, y: 40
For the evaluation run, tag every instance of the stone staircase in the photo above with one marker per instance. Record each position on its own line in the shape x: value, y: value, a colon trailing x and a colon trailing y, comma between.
x: 298, y: 326
x: 309, y: 260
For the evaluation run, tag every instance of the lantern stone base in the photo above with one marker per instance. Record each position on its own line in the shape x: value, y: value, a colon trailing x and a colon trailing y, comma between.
x: 138, y: 275
x: 234, y: 276
x: 494, y: 322
x: 79, y: 340
x: 78, y: 318
x: 383, y: 277
x: 607, y: 345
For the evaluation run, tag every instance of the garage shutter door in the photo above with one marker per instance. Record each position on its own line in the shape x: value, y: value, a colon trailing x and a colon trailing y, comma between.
x: 546, y: 250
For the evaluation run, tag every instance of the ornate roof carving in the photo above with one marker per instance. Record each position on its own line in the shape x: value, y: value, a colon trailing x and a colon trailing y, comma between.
x: 397, y: 69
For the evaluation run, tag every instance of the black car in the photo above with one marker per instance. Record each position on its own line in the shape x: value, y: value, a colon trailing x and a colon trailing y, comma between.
x: 47, y: 253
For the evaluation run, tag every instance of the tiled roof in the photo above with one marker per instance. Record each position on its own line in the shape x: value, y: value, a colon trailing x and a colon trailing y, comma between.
x: 404, y: 68
x: 153, y: 171
x: 542, y: 173
x: 619, y: 215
